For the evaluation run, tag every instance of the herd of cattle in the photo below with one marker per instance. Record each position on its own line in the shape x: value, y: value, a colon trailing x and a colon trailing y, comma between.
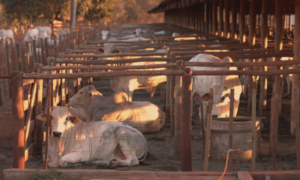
x: 109, y: 131
x: 36, y: 33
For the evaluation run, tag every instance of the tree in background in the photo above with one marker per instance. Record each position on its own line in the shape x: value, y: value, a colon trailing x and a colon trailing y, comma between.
x: 96, y: 10
x: 24, y: 12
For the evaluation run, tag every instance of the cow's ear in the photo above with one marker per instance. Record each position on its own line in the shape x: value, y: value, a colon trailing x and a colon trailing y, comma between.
x: 74, y: 120
x: 42, y: 117
x: 196, y: 96
x: 99, y: 51
x: 120, y: 97
x: 116, y: 51
x: 93, y: 93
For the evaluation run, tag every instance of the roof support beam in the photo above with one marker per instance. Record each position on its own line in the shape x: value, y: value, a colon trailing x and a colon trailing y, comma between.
x: 226, y: 27
x: 233, y: 18
x: 242, y: 21
x: 214, y: 16
x: 221, y: 25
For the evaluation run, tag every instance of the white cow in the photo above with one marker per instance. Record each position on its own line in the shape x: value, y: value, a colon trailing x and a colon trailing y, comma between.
x: 90, y: 105
x: 31, y: 35
x: 104, y: 34
x: 160, y: 32
x: 110, y: 144
x: 43, y: 29
x: 7, y: 34
x: 222, y: 85
x: 61, y: 32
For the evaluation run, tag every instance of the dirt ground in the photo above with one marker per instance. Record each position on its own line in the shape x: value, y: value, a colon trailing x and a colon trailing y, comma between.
x: 161, y: 145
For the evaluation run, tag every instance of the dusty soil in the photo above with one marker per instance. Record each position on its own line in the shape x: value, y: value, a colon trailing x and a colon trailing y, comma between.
x: 161, y: 145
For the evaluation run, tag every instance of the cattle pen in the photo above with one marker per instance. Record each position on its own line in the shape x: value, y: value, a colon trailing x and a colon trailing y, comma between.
x: 179, y: 145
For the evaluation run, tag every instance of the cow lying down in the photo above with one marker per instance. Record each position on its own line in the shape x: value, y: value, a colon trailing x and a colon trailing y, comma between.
x: 90, y: 105
x: 108, y: 144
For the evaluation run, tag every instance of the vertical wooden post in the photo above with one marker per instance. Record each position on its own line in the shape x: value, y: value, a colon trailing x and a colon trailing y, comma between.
x: 230, y: 128
x: 18, y: 121
x: 221, y: 25
x: 254, y: 134
x: 278, y: 47
x: 63, y: 88
x: 252, y: 37
x: 48, y: 122
x: 171, y: 105
x: 207, y: 17
x: 264, y: 45
x: 242, y: 21
x: 214, y: 18
x: 233, y: 19
x: 185, y: 140
x: 178, y: 85
x: 295, y: 103
x: 273, y: 128
x: 38, y: 129
x: 226, y: 27
x: 46, y: 51
x: 208, y: 130
x: 295, y: 82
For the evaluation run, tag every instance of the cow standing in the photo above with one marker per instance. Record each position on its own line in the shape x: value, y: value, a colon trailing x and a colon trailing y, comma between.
x: 108, y: 144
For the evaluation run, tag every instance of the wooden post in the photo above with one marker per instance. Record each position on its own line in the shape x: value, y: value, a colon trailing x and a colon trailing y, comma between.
x: 226, y: 27
x: 27, y: 58
x: 178, y: 85
x: 18, y: 121
x: 278, y: 47
x: 214, y: 18
x: 221, y: 25
x: 48, y: 122
x: 63, y: 88
x: 42, y: 51
x: 295, y: 82
x: 264, y: 45
x: 254, y: 134
x: 230, y: 143
x: 30, y: 111
x: 207, y: 16
x: 295, y: 103
x: 273, y: 128
x: 46, y: 51
x: 252, y: 36
x: 242, y: 21
x: 208, y: 130
x: 233, y: 19
x: 38, y: 129
x: 185, y: 123
x: 171, y: 105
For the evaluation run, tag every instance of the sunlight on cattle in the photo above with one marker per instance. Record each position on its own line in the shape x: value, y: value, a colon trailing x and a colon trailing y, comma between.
x: 149, y: 49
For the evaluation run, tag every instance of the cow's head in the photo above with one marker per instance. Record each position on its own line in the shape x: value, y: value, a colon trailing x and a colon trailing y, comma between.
x: 83, y: 96
x: 138, y: 31
x: 104, y: 34
x: 220, y: 100
x: 61, y: 120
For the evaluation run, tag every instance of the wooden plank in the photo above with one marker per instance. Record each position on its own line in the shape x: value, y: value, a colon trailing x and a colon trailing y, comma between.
x: 18, y: 121
x: 30, y: 111
x: 230, y: 139
x: 208, y: 130
x: 295, y: 82
x: 254, y: 133
x: 28, y: 151
x: 28, y: 81
x: 178, y: 85
x: 242, y: 21
x: 295, y: 103
x: 221, y: 10
x: 264, y: 44
x: 185, y: 122
x: 233, y: 19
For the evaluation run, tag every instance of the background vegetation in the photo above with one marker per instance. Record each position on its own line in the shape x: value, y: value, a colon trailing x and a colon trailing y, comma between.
x: 24, y: 12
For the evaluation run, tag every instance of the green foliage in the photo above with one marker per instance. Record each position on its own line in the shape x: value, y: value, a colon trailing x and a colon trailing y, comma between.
x: 96, y: 10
